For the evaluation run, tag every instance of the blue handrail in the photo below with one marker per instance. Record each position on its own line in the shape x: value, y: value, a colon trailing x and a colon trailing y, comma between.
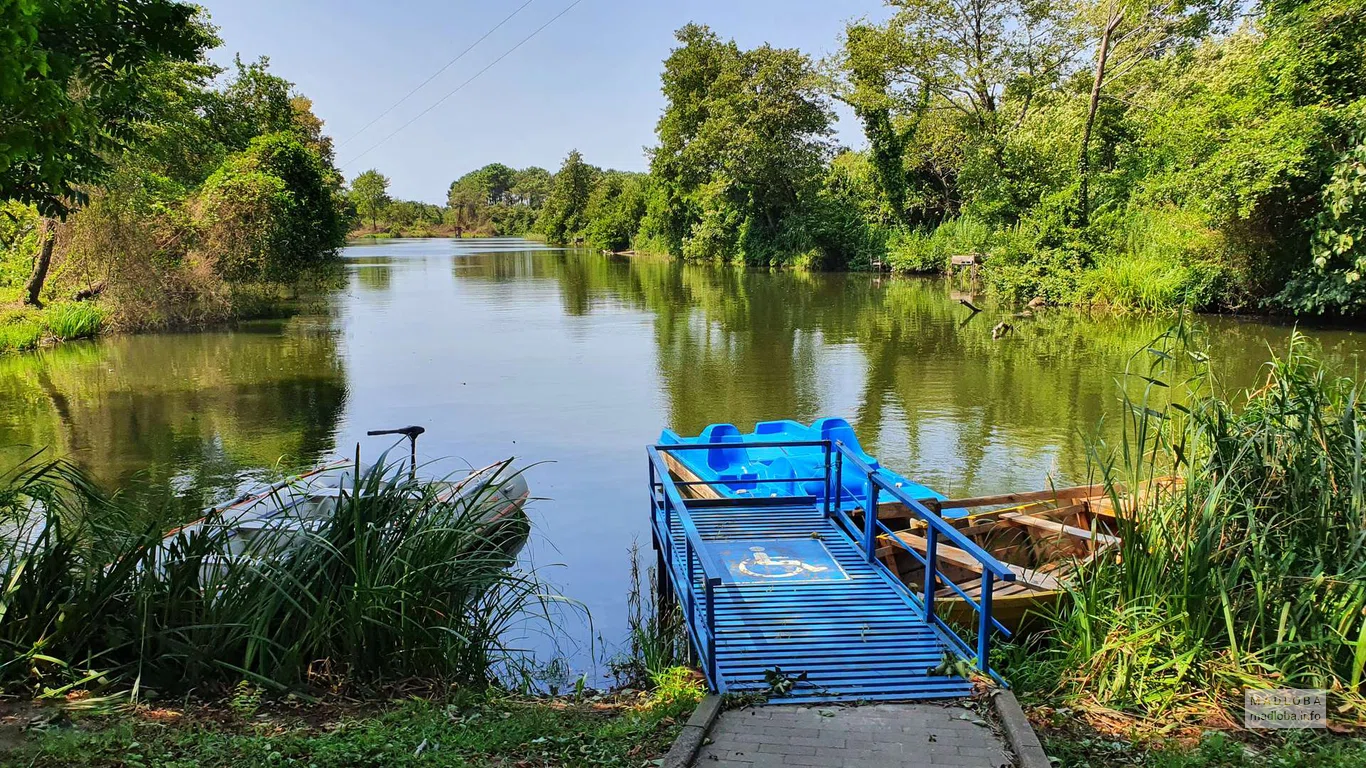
x: 697, y: 567
x: 935, y: 529
x: 702, y: 629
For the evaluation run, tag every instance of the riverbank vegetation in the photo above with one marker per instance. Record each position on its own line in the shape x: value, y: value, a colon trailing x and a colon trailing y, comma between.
x: 1248, y: 573
x: 145, y: 182
x: 385, y: 637
x: 492, y: 201
x: 398, y: 583
x: 1126, y: 155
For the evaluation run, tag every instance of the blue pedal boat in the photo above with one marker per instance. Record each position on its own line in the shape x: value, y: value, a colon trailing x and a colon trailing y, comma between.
x: 734, y: 469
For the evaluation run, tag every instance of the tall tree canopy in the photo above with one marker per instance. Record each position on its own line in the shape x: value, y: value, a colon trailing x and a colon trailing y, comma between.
x: 562, y: 218
x: 743, y: 141
x: 370, y: 193
x: 75, y: 81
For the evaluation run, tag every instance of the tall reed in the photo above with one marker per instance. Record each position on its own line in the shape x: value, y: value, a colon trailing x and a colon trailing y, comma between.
x: 658, y: 642
x: 399, y: 582
x: 1250, y: 571
x: 73, y: 320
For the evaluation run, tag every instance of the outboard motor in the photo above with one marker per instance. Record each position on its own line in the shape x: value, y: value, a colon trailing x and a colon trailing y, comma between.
x: 411, y: 433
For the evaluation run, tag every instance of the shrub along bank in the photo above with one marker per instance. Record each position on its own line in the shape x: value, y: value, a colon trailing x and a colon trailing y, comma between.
x: 177, y: 197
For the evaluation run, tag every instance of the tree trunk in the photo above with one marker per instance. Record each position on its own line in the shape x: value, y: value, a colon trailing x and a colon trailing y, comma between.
x: 1083, y: 203
x: 47, y: 237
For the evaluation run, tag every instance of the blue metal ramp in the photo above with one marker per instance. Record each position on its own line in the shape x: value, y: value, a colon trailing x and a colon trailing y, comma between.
x: 787, y: 588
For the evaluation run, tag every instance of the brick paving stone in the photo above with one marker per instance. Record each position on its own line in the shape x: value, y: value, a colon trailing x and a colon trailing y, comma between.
x: 875, y: 736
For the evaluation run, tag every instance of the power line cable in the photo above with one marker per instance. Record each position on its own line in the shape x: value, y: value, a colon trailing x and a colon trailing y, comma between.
x: 457, y: 89
x: 435, y: 74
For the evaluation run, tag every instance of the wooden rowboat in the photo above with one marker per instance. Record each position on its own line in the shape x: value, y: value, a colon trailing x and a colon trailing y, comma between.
x: 1044, y: 537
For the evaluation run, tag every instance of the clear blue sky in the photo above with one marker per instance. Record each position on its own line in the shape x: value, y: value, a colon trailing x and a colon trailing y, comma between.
x: 589, y: 81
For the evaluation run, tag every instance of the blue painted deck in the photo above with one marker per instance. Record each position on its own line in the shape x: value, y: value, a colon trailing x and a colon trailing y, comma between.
x: 790, y: 582
x: 856, y: 637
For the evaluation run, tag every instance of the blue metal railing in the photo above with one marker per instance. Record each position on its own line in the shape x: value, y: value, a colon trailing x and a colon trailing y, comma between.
x: 935, y: 530
x: 691, y: 563
x: 694, y: 566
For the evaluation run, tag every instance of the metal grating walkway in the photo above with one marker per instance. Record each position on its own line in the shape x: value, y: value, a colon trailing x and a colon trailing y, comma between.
x: 788, y: 589
x: 856, y: 638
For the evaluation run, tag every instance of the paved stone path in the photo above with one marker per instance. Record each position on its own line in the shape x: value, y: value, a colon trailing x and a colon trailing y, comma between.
x: 878, y: 736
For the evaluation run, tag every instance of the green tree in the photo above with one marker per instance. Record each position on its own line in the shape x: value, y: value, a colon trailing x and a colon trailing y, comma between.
x: 254, y: 103
x: 370, y: 193
x: 497, y: 180
x: 562, y: 219
x: 530, y: 187
x: 941, y: 77
x: 269, y: 212
x: 1127, y: 33
x: 742, y: 144
x: 73, y: 89
x: 75, y: 84
x: 614, y: 210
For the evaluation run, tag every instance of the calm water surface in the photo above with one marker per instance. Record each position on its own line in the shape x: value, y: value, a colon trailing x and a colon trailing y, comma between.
x: 573, y: 362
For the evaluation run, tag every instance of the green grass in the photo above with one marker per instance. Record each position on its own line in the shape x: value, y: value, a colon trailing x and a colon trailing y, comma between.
x: 929, y: 251
x: 26, y: 328
x: 472, y: 731
x: 1149, y: 284
x: 1215, y: 750
x: 73, y: 320
x: 1251, y: 574
x: 20, y: 331
x: 396, y: 584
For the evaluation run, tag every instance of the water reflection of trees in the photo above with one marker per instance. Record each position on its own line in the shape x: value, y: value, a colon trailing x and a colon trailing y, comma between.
x: 167, y: 414
x: 932, y: 389
x: 374, y: 277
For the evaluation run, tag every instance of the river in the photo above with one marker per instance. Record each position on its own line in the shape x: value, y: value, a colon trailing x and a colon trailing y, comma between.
x: 573, y: 362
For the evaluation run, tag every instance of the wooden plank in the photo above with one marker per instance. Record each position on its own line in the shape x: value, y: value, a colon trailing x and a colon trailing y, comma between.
x: 895, y: 510
x: 1055, y: 494
x: 682, y: 473
x: 962, y: 559
x: 1059, y: 529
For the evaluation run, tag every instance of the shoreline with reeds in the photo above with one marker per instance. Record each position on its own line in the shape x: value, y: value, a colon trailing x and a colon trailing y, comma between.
x: 1249, y: 574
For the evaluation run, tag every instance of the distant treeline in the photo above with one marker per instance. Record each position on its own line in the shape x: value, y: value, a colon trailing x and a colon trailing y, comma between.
x: 581, y: 204
x: 1120, y: 153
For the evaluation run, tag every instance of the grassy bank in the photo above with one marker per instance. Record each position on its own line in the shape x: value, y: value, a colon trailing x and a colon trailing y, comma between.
x: 462, y: 730
x: 1073, y: 749
x: 27, y: 328
x: 398, y: 583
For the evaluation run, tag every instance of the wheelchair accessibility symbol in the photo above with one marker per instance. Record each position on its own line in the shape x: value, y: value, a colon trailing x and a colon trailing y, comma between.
x: 762, y: 565
x: 776, y: 561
